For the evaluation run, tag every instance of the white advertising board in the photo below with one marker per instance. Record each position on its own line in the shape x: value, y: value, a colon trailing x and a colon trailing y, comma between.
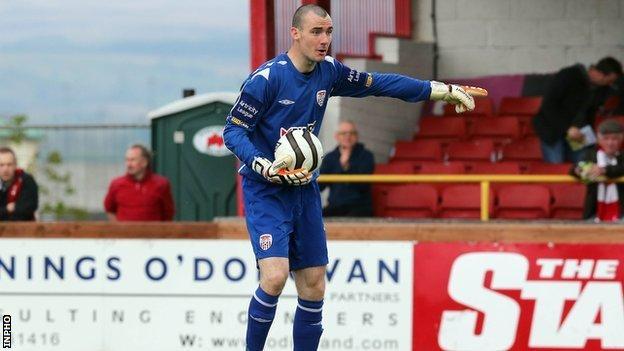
x: 128, y: 295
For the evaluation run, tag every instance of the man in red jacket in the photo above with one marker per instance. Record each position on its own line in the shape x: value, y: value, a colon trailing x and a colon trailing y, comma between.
x: 140, y: 195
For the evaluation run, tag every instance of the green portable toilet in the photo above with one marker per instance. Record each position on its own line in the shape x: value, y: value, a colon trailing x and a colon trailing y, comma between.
x: 187, y: 140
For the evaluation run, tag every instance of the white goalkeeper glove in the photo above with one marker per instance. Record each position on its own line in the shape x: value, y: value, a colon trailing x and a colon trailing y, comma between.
x: 276, y: 172
x: 453, y: 94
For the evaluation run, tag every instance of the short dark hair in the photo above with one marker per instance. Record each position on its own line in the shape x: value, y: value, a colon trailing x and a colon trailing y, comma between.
x: 8, y: 150
x: 608, y: 65
x: 303, y: 10
x: 145, y: 153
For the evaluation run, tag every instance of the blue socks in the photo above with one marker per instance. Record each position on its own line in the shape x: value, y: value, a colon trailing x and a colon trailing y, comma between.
x: 308, y: 329
x: 260, y: 316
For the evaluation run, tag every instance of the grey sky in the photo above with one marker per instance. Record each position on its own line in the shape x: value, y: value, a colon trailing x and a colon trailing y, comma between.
x: 112, y: 61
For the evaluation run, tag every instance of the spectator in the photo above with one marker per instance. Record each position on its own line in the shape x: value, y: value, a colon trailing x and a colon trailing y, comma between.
x: 604, y: 200
x: 619, y: 91
x: 19, y: 194
x: 349, y: 157
x: 569, y: 104
x: 140, y: 195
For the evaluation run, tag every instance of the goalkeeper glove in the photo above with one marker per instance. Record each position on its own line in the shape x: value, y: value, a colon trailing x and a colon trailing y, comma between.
x: 276, y: 172
x: 453, y: 94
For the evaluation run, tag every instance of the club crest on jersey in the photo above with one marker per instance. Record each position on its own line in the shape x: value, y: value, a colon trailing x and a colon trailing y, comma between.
x: 309, y: 127
x: 266, y: 240
x: 320, y: 97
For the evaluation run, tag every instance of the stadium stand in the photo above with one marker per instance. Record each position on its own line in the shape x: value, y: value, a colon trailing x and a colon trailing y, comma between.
x: 411, y: 201
x: 484, y: 107
x: 548, y: 168
x: 522, y: 201
x: 471, y: 151
x: 495, y: 168
x: 418, y: 150
x: 462, y: 201
x: 520, y: 106
x: 568, y: 200
x: 523, y: 151
x: 443, y: 128
x: 501, y: 130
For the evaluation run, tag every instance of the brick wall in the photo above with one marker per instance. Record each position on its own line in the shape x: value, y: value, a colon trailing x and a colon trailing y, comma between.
x: 485, y: 37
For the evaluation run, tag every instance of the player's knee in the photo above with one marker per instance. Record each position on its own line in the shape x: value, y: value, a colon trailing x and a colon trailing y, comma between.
x: 273, y: 282
x: 319, y: 288
x: 314, y: 289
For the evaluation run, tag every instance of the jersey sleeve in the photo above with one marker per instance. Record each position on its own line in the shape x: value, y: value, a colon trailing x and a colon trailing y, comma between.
x: 248, y: 109
x: 350, y: 82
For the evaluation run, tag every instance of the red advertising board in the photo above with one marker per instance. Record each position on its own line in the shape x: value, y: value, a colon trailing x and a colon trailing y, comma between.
x: 488, y: 296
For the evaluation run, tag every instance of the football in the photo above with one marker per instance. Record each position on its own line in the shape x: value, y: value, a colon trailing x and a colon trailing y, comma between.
x: 302, y: 147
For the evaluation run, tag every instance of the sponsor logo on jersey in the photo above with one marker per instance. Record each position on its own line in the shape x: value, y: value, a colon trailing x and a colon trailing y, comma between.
x: 266, y: 240
x: 239, y: 122
x: 244, y: 110
x: 369, y: 80
x: 320, y: 97
x: 209, y: 140
x: 309, y: 127
x: 286, y: 102
x: 354, y: 76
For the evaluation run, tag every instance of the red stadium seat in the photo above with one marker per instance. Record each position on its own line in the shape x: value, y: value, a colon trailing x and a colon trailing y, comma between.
x: 411, y: 201
x: 500, y: 129
x: 526, y: 124
x: 442, y: 168
x: 394, y: 168
x: 380, y: 196
x: 526, y: 150
x: 526, y: 105
x: 462, y: 201
x: 568, y: 200
x: 523, y: 201
x: 418, y: 150
x: 476, y: 150
x: 495, y: 168
x: 444, y: 128
x: 484, y: 107
x: 380, y: 190
x: 548, y: 168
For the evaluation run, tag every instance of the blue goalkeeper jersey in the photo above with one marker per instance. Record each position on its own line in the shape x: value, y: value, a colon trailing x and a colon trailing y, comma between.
x: 277, y: 98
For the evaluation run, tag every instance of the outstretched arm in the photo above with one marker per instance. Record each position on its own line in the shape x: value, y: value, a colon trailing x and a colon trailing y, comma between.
x: 352, y: 83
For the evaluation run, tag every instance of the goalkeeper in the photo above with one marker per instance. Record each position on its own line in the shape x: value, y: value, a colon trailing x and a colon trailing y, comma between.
x: 283, y: 212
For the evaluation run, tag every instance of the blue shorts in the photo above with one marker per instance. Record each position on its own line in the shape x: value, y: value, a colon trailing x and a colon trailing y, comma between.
x: 286, y: 221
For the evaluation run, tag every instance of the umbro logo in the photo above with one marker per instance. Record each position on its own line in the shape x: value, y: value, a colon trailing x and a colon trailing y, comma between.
x: 286, y: 102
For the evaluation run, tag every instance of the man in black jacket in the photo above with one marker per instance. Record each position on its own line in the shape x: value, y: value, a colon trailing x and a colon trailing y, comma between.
x: 569, y: 105
x: 604, y: 201
x: 349, y: 157
x: 19, y: 196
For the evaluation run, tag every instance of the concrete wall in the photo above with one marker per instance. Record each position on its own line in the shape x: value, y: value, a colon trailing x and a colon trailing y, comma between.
x: 485, y: 37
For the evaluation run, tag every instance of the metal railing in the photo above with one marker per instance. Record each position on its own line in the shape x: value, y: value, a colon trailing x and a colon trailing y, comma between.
x: 483, y: 179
